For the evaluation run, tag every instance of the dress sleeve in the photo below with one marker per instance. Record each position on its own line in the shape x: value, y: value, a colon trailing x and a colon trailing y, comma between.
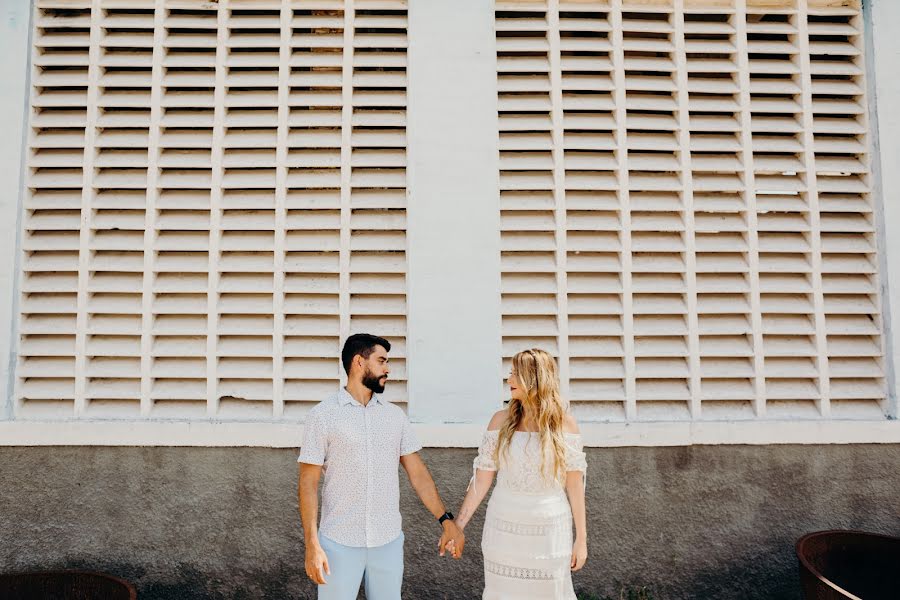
x: 576, y: 459
x: 485, y: 459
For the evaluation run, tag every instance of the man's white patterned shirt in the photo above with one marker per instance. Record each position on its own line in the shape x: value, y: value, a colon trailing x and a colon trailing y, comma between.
x: 360, y: 449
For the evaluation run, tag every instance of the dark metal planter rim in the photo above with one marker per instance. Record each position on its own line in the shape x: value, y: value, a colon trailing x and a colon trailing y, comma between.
x: 801, y: 555
x: 132, y: 593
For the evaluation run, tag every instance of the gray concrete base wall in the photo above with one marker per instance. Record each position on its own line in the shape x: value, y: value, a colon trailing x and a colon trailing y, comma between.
x: 699, y: 522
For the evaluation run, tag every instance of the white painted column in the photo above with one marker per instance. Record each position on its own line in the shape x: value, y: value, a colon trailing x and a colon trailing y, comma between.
x: 453, y: 229
x: 883, y: 56
x: 14, y: 69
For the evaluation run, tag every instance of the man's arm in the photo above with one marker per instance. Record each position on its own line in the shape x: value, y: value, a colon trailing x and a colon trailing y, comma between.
x: 308, y: 497
x: 423, y: 484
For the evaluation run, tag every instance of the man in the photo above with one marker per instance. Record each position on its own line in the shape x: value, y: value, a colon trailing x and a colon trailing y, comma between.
x: 357, y: 439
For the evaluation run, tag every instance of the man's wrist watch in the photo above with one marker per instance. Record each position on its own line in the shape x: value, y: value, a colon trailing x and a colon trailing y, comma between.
x: 445, y: 516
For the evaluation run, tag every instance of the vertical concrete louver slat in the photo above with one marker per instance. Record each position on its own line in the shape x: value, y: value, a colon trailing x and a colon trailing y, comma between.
x: 555, y: 48
x: 281, y: 154
x: 719, y: 258
x: 812, y: 190
x: 752, y: 339
x: 627, y: 313
x: 214, y: 280
x: 685, y: 158
x: 87, y: 233
x: 157, y: 74
x: 346, y: 150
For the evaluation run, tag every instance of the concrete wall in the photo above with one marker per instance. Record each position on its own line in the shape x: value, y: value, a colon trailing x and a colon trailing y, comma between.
x: 883, y: 52
x: 15, y: 25
x: 691, y: 522
x: 453, y: 214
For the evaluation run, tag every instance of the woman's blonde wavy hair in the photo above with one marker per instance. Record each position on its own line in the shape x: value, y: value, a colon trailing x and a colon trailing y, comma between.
x: 538, y: 377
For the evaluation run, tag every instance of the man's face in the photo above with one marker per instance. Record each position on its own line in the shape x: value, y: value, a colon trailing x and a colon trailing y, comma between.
x: 376, y: 370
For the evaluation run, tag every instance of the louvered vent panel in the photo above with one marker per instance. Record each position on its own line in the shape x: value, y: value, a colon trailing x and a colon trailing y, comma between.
x: 217, y: 197
x: 685, y: 206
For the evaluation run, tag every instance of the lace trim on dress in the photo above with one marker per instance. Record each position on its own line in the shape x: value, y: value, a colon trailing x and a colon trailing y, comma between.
x: 575, y: 460
x: 517, y: 572
x: 522, y: 528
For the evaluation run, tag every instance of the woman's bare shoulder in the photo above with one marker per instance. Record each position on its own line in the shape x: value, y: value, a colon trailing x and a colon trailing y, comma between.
x: 497, y: 420
x: 570, y: 425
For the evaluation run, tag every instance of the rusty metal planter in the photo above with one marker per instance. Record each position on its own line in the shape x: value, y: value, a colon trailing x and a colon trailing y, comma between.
x: 65, y: 585
x: 855, y: 565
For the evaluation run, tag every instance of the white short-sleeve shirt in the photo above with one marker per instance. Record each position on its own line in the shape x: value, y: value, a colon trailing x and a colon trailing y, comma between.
x: 360, y: 449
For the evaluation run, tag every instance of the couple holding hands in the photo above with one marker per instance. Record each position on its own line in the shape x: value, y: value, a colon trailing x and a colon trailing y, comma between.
x: 356, y: 440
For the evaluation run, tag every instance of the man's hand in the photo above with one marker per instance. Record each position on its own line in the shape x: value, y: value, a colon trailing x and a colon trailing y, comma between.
x: 316, y: 563
x: 452, y: 539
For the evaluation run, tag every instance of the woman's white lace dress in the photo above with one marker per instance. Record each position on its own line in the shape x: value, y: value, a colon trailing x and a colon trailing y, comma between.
x: 527, y: 539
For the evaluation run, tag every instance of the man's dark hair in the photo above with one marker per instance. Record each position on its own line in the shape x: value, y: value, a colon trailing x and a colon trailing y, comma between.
x: 362, y: 344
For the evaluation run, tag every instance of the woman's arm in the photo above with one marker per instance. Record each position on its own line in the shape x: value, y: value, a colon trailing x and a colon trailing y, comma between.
x: 575, y: 492
x: 484, y: 469
x: 478, y: 489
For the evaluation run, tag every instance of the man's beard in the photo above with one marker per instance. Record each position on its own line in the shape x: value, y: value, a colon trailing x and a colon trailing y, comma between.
x: 373, y: 383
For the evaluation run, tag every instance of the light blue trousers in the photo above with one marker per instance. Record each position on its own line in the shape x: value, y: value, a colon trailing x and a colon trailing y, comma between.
x: 381, y: 568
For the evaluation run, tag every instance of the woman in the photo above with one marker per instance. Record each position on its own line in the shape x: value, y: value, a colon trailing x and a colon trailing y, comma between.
x: 535, y: 448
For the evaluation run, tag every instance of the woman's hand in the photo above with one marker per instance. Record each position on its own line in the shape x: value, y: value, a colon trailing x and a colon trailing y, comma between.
x: 579, y: 554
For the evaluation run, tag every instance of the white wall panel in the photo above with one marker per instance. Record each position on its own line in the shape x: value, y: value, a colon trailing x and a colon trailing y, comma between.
x: 883, y: 51
x: 14, y: 45
x: 454, y: 237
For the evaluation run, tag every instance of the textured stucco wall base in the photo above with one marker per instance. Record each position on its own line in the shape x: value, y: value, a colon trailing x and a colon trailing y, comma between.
x: 690, y: 522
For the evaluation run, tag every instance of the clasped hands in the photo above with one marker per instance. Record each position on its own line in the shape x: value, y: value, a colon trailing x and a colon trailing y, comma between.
x: 452, y: 539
